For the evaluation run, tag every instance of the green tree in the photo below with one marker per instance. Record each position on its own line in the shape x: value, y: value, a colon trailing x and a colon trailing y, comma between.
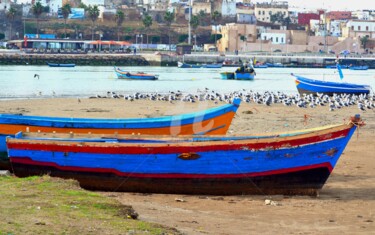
x: 182, y: 38
x: 119, y: 18
x: 216, y: 16
x: 169, y: 18
x: 202, y: 17
x: 93, y: 13
x: 82, y: 5
x: 279, y: 18
x: 65, y: 11
x: 194, y: 22
x: 364, y: 41
x: 37, y: 10
x: 11, y: 14
x: 147, y: 22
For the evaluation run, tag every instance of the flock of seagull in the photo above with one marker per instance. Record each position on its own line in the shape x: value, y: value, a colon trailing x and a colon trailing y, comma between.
x: 337, y: 101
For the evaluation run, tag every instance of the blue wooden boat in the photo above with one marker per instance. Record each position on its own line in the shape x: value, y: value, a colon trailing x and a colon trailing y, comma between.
x: 288, y: 163
x: 244, y: 76
x: 227, y: 75
x: 275, y: 65
x: 134, y: 76
x: 358, y: 67
x: 184, y: 65
x: 312, y: 86
x: 60, y: 65
x: 260, y: 66
x: 212, y: 66
x: 335, y: 66
x: 213, y: 121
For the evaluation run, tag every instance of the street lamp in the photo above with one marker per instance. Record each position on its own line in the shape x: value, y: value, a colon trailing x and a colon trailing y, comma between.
x: 141, y: 38
x: 195, y: 42
x: 100, y: 42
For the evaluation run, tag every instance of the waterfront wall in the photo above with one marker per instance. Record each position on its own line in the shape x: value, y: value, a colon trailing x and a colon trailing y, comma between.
x: 171, y: 59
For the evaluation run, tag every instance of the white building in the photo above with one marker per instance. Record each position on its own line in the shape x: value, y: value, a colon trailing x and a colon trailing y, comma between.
x: 274, y: 38
x: 99, y: 3
x: 361, y: 15
x: 228, y: 8
x: 335, y: 28
x: 359, y: 28
x: 4, y: 5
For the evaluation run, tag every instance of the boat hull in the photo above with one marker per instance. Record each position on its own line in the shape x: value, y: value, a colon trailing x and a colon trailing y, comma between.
x: 184, y: 65
x: 227, y: 75
x: 60, y: 65
x: 213, y: 121
x: 358, y: 67
x: 212, y: 66
x: 301, y: 182
x: 244, y: 76
x: 121, y: 74
x: 311, y: 86
x: 298, y: 163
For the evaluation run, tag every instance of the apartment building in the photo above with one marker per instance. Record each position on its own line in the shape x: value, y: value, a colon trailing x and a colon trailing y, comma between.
x: 263, y: 11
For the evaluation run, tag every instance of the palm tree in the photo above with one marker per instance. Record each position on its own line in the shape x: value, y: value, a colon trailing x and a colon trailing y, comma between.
x: 119, y: 18
x: 147, y: 22
x: 169, y: 17
x: 364, y: 41
x: 66, y: 10
x: 201, y: 16
x: 10, y: 15
x: 215, y: 17
x: 194, y: 23
x: 37, y: 10
x: 93, y: 13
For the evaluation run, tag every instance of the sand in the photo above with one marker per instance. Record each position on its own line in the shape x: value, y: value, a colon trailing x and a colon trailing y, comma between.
x: 345, y: 205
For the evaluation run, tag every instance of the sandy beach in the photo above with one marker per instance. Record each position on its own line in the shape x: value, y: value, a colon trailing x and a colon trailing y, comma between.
x: 345, y: 205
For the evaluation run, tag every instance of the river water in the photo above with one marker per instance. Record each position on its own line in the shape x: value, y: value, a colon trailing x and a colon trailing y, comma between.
x: 83, y: 81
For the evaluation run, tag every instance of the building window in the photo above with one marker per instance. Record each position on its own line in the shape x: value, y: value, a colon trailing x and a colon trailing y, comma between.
x: 277, y: 39
x: 259, y: 12
x: 366, y: 28
x: 352, y: 27
x: 264, y: 12
x: 359, y: 28
x: 282, y: 40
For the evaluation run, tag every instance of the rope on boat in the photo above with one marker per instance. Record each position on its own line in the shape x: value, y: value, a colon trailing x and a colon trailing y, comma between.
x: 357, y: 122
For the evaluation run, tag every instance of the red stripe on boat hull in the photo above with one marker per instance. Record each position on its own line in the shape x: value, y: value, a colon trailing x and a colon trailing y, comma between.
x: 172, y: 148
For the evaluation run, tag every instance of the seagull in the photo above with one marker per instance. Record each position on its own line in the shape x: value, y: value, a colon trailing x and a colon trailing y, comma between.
x: 36, y: 76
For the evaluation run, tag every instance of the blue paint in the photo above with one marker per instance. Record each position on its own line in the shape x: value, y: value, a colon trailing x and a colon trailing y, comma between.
x: 340, y: 71
x: 244, y: 76
x: 330, y: 87
x: 131, y: 123
x: 210, y: 162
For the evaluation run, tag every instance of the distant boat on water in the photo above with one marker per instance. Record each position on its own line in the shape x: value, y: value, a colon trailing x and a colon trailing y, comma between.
x: 312, y: 86
x: 185, y: 65
x: 134, y: 76
x: 60, y: 65
x: 212, y: 66
x: 275, y: 65
x: 209, y: 66
x: 364, y: 67
x: 227, y: 75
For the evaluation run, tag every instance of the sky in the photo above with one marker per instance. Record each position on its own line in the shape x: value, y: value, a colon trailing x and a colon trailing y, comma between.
x: 332, y: 5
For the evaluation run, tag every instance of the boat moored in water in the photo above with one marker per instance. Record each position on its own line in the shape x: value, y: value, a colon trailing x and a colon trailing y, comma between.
x: 312, y: 86
x: 134, y: 76
x: 60, y: 65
